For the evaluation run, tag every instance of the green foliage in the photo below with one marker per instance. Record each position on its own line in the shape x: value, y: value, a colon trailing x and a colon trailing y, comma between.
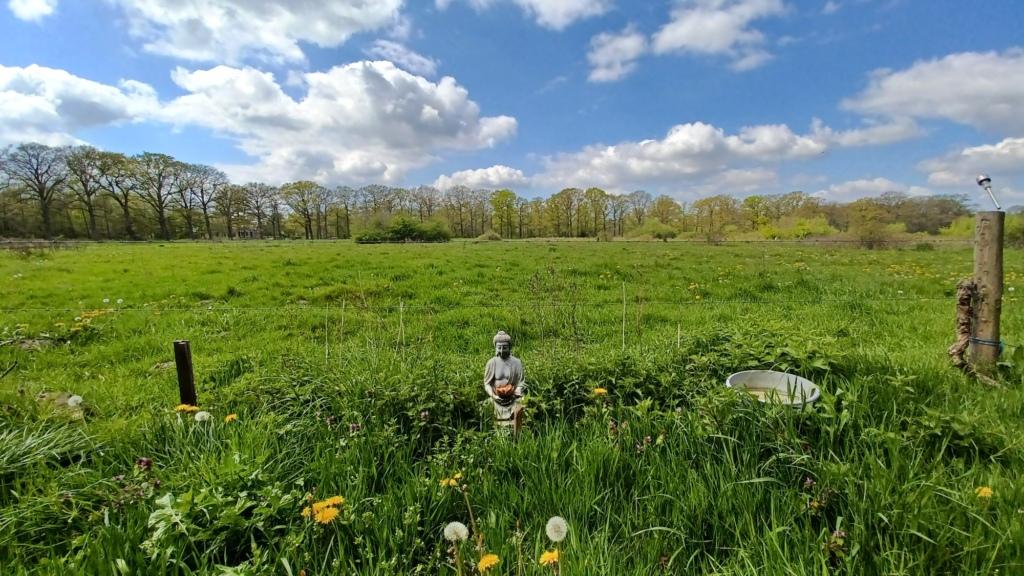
x: 406, y: 230
x: 655, y: 230
x: 791, y: 228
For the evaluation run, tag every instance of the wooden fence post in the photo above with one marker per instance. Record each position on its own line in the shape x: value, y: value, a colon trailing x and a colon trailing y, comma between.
x: 988, y: 276
x: 186, y: 379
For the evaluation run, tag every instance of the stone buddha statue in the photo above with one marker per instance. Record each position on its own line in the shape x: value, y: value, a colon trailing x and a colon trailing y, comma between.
x: 505, y: 382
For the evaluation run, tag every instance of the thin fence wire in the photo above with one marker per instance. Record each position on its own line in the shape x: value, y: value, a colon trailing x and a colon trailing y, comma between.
x: 516, y: 305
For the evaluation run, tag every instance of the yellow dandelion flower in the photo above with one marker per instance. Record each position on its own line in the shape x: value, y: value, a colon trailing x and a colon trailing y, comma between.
x: 983, y: 492
x: 231, y: 417
x: 307, y: 512
x: 186, y: 408
x: 600, y: 391
x: 488, y: 561
x: 326, y: 516
x: 452, y: 482
x: 549, y: 558
x: 331, y: 502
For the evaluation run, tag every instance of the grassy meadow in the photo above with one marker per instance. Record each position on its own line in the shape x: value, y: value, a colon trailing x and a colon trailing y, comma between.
x: 356, y: 371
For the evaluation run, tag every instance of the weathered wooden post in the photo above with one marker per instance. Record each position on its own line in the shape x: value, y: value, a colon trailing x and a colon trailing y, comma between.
x: 988, y: 277
x: 186, y: 379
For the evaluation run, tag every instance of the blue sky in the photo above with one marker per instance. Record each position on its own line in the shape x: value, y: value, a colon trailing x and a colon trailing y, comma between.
x: 840, y: 98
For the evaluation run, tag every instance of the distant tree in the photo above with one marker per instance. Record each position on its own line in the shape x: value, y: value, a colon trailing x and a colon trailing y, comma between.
x: 931, y: 214
x: 458, y: 203
x: 619, y: 205
x: 345, y: 199
x: 666, y: 211
x: 597, y: 204
x: 639, y: 202
x: 117, y: 178
x: 207, y: 182
x: 259, y: 198
x: 156, y: 175
x: 503, y: 207
x: 186, y: 182
x: 84, y: 163
x: 230, y: 202
x: 426, y: 199
x: 39, y: 170
x: 301, y: 197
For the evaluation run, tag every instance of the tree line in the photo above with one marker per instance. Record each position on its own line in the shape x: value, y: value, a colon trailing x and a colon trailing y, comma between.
x: 83, y: 192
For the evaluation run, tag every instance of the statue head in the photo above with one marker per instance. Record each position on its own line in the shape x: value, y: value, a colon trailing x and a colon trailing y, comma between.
x: 502, y: 345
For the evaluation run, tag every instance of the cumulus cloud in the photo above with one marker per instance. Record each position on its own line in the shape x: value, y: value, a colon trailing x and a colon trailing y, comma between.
x: 979, y: 89
x: 958, y: 169
x: 554, y: 14
x: 687, y: 152
x: 873, y: 133
x: 613, y: 56
x: 718, y: 27
x: 233, y: 30
x: 46, y: 105
x: 492, y: 178
x: 853, y: 189
x: 403, y: 57
x: 32, y: 10
x: 358, y: 123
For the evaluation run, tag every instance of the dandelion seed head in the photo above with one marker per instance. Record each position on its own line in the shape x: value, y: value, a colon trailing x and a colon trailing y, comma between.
x: 75, y: 401
x: 202, y: 416
x: 456, y: 532
x: 556, y: 529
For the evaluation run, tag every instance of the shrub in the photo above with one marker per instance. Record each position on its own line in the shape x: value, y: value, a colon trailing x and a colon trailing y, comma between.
x: 406, y: 230
x: 490, y: 235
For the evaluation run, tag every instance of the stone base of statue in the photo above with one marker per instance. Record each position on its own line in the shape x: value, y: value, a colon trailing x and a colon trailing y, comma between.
x: 508, y: 414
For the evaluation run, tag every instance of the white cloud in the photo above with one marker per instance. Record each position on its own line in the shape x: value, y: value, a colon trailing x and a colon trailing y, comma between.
x: 358, y: 123
x: 613, y: 56
x: 554, y: 14
x: 1002, y: 160
x: 980, y: 89
x: 233, y: 30
x: 854, y: 189
x: 718, y: 27
x: 32, y: 10
x: 874, y: 133
x: 492, y: 178
x: 687, y: 152
x: 403, y: 57
x: 49, y: 106
x: 831, y: 7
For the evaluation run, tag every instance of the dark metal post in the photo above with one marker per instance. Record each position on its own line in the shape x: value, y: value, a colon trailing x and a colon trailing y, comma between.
x: 186, y: 380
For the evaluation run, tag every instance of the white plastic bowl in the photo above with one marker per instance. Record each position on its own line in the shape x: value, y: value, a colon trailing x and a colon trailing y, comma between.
x: 775, y: 387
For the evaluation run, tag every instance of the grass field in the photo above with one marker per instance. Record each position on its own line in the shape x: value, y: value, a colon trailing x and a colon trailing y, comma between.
x: 356, y: 371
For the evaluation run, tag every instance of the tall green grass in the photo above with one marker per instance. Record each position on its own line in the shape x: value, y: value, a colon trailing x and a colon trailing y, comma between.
x: 356, y: 371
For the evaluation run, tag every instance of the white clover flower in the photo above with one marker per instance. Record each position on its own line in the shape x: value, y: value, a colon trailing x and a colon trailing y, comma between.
x: 556, y: 529
x: 106, y: 300
x: 456, y: 532
x: 75, y: 401
x: 120, y: 300
x: 203, y: 416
